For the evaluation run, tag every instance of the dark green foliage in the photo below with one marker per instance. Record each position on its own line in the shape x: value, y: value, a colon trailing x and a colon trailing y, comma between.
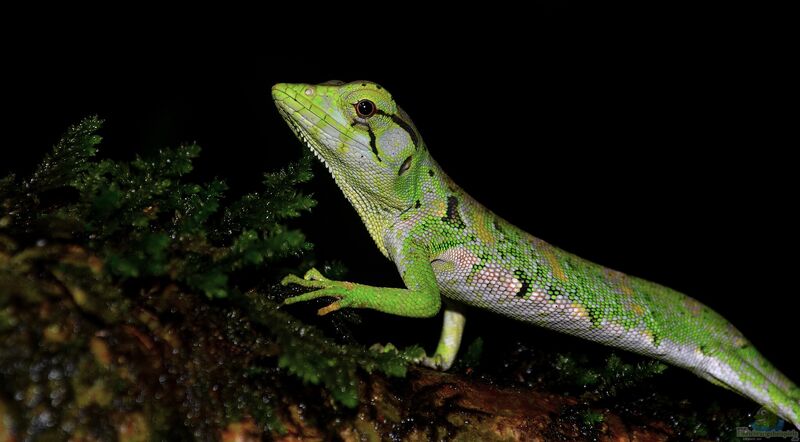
x: 472, y: 356
x: 69, y: 161
x: 592, y: 418
x: 635, y: 387
x: 607, y: 380
x: 332, y: 365
x: 131, y: 295
x: 147, y: 221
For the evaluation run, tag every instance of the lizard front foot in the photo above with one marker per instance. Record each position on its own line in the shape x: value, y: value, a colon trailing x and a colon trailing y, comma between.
x: 346, y: 293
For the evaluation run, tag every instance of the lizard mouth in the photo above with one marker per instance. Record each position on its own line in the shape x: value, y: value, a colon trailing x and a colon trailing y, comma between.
x: 301, y: 132
x: 324, y: 135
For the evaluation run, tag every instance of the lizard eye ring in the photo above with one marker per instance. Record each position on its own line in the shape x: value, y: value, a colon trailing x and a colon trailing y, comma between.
x: 365, y: 108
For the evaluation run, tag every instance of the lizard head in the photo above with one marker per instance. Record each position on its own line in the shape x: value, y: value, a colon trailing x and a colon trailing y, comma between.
x: 366, y: 141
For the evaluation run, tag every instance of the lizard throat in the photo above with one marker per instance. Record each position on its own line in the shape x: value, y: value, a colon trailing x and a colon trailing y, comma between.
x: 363, y: 204
x: 302, y: 134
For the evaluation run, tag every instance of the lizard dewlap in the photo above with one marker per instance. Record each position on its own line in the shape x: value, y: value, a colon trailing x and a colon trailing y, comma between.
x: 446, y: 244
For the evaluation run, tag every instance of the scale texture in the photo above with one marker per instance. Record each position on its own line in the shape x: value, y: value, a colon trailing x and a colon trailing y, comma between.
x: 446, y: 244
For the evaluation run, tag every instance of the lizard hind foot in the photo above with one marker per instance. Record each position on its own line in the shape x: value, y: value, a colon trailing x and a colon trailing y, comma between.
x: 417, y: 356
x: 436, y: 362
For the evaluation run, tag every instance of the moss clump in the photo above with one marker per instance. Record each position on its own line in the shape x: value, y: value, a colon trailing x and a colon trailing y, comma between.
x: 138, y: 304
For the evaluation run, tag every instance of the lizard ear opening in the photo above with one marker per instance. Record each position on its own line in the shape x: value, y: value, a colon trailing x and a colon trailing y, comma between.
x: 405, y: 166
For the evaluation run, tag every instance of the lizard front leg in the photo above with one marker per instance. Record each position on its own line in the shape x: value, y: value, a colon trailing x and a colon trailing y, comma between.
x: 420, y: 298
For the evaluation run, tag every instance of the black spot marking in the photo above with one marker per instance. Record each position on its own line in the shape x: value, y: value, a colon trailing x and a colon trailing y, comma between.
x: 405, y: 166
x: 430, y: 172
x: 418, y: 204
x: 496, y: 225
x: 526, y: 283
x: 372, y: 143
x: 656, y: 339
x: 594, y: 315
x: 452, y: 217
x: 377, y: 86
x: 403, y: 125
x: 363, y: 84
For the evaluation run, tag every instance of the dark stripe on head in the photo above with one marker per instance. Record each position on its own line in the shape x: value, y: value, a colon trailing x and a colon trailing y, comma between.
x: 403, y: 125
x: 372, y: 143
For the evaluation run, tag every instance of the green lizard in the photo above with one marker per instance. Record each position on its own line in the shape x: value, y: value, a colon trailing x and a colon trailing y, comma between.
x: 444, y: 243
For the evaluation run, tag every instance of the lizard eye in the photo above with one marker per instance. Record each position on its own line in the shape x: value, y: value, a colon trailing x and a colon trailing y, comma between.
x: 365, y: 108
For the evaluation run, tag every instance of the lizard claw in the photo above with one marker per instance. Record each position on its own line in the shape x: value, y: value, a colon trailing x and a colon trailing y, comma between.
x: 314, y: 275
x: 291, y: 279
x: 332, y: 307
x: 342, y: 291
x: 435, y: 362
x: 313, y: 279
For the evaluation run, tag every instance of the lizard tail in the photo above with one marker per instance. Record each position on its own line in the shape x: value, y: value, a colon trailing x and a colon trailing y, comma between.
x: 750, y: 355
x: 784, y: 389
x: 758, y: 380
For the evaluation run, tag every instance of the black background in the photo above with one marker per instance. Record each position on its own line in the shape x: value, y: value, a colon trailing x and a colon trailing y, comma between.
x: 654, y: 141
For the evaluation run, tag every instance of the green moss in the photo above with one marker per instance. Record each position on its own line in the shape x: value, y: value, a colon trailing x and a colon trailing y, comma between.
x: 316, y: 359
x: 132, y: 296
x: 472, y: 356
x: 592, y: 418
x: 607, y: 380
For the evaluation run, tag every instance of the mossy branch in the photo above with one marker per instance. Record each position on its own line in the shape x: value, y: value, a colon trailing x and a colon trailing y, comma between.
x: 120, y: 278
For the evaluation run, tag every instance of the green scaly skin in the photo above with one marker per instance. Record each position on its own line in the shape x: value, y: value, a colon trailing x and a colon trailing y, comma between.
x: 445, y: 244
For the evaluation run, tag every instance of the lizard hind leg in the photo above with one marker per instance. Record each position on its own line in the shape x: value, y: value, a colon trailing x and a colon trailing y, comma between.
x: 450, y: 339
